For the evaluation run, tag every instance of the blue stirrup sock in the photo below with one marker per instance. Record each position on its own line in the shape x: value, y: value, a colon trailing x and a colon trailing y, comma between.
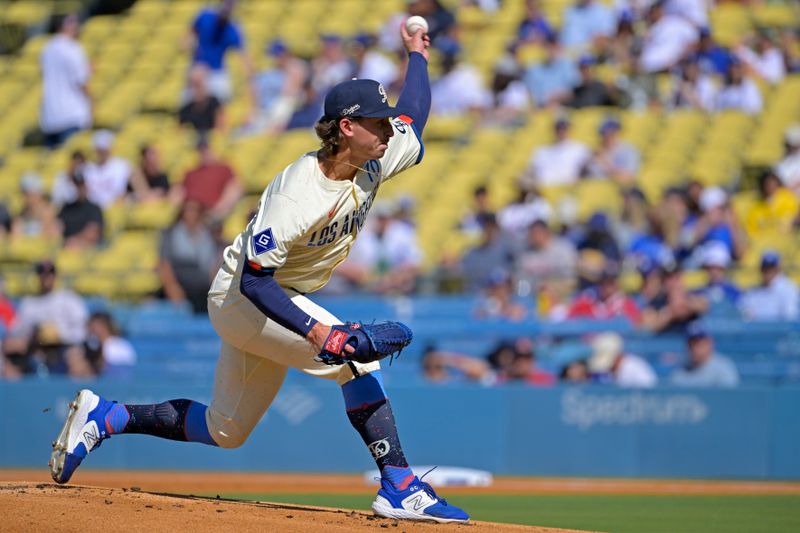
x: 371, y: 415
x: 183, y: 420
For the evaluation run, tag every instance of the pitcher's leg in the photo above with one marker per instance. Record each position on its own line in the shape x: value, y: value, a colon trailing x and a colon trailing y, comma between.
x: 244, y: 387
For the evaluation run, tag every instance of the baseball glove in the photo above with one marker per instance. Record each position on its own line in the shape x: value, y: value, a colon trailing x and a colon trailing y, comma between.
x: 372, y: 342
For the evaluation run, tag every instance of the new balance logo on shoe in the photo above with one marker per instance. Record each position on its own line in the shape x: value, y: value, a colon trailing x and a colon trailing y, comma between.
x: 418, y: 502
x: 90, y: 435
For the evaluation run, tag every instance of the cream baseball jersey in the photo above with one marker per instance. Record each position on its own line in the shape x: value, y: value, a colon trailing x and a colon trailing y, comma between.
x: 306, y: 223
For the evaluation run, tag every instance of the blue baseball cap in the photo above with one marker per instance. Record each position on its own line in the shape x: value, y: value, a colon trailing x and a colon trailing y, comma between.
x: 695, y: 331
x: 277, y: 47
x: 610, y: 124
x: 358, y: 98
x: 770, y: 259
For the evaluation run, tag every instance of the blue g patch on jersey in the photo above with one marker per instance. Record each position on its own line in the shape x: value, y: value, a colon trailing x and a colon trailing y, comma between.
x: 264, y: 242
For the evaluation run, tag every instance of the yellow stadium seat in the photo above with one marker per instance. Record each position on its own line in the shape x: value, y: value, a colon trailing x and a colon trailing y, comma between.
x: 598, y: 195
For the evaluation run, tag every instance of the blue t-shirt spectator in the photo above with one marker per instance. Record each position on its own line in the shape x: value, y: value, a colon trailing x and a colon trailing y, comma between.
x: 214, y: 36
x: 551, y: 78
x: 585, y: 21
x: 720, y: 292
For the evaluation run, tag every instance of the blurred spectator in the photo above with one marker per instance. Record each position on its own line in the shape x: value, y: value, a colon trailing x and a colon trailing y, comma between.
x: 774, y: 212
x: 212, y: 183
x: 440, y: 20
x: 213, y: 33
x: 587, y: 24
x: 551, y: 81
x: 386, y: 257
x: 546, y: 257
x: 695, y: 11
x: 605, y: 300
x: 64, y: 190
x: 560, y: 163
x: 46, y: 325
x: 777, y: 298
x: 37, y: 217
x: 763, y: 60
x: 370, y: 64
x: 790, y: 48
x: 495, y: 250
x: 597, y: 235
x: 441, y: 367
x: 278, y: 89
x: 589, y: 91
x: 497, y: 300
x: 472, y: 223
x: 717, y: 223
x: 668, y: 40
x: 331, y: 66
x: 738, y: 92
x: 523, y: 367
x: 7, y: 312
x: 81, y: 219
x: 148, y: 180
x: 788, y: 169
x: 670, y: 220
x: 66, y: 102
x: 705, y: 367
x: 459, y: 88
x: 651, y: 247
x: 534, y: 28
x: 692, y: 88
x: 510, y: 97
x: 674, y: 306
x: 614, y: 158
x: 105, y: 350
x: 5, y: 220
x: 107, y: 178
x: 188, y: 257
x: 514, y: 360
x: 440, y: 23
x: 633, y: 220
x: 652, y: 286
x: 719, y: 290
x: 611, y: 364
x: 622, y: 50
x: 527, y: 208
x: 575, y: 373
x: 712, y: 58
x: 203, y: 110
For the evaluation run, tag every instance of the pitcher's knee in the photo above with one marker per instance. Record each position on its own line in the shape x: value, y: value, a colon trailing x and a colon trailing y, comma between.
x: 225, y: 431
x: 228, y: 440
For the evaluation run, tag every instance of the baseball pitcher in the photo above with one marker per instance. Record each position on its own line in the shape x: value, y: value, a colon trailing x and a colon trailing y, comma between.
x: 308, y: 219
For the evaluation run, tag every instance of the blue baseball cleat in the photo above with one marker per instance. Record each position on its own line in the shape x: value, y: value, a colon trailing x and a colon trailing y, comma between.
x: 83, y: 431
x: 418, y: 501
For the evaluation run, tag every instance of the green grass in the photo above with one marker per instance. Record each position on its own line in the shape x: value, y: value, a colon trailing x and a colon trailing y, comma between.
x: 617, y: 513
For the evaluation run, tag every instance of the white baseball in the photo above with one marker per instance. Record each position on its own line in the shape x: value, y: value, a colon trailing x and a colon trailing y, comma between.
x: 416, y: 22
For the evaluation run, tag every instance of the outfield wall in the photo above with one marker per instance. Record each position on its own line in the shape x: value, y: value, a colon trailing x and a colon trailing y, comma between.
x: 591, y: 431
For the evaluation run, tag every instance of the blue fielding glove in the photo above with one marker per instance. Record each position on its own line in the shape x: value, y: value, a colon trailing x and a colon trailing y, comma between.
x: 372, y: 342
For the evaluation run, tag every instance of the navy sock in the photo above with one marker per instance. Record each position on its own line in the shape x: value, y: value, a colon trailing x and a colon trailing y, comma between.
x: 371, y: 415
x: 183, y: 420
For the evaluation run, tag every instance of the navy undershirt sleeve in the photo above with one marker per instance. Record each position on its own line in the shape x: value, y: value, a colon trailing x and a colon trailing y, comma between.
x: 415, y: 98
x: 260, y: 287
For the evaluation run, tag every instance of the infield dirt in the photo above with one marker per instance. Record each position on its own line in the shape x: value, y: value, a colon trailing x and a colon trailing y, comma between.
x: 66, y: 508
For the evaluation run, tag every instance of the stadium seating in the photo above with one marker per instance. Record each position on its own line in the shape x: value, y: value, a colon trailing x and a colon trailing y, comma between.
x: 173, y: 342
x: 137, y: 83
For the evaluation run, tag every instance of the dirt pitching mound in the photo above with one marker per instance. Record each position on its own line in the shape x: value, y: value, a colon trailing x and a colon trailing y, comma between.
x: 51, y: 507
